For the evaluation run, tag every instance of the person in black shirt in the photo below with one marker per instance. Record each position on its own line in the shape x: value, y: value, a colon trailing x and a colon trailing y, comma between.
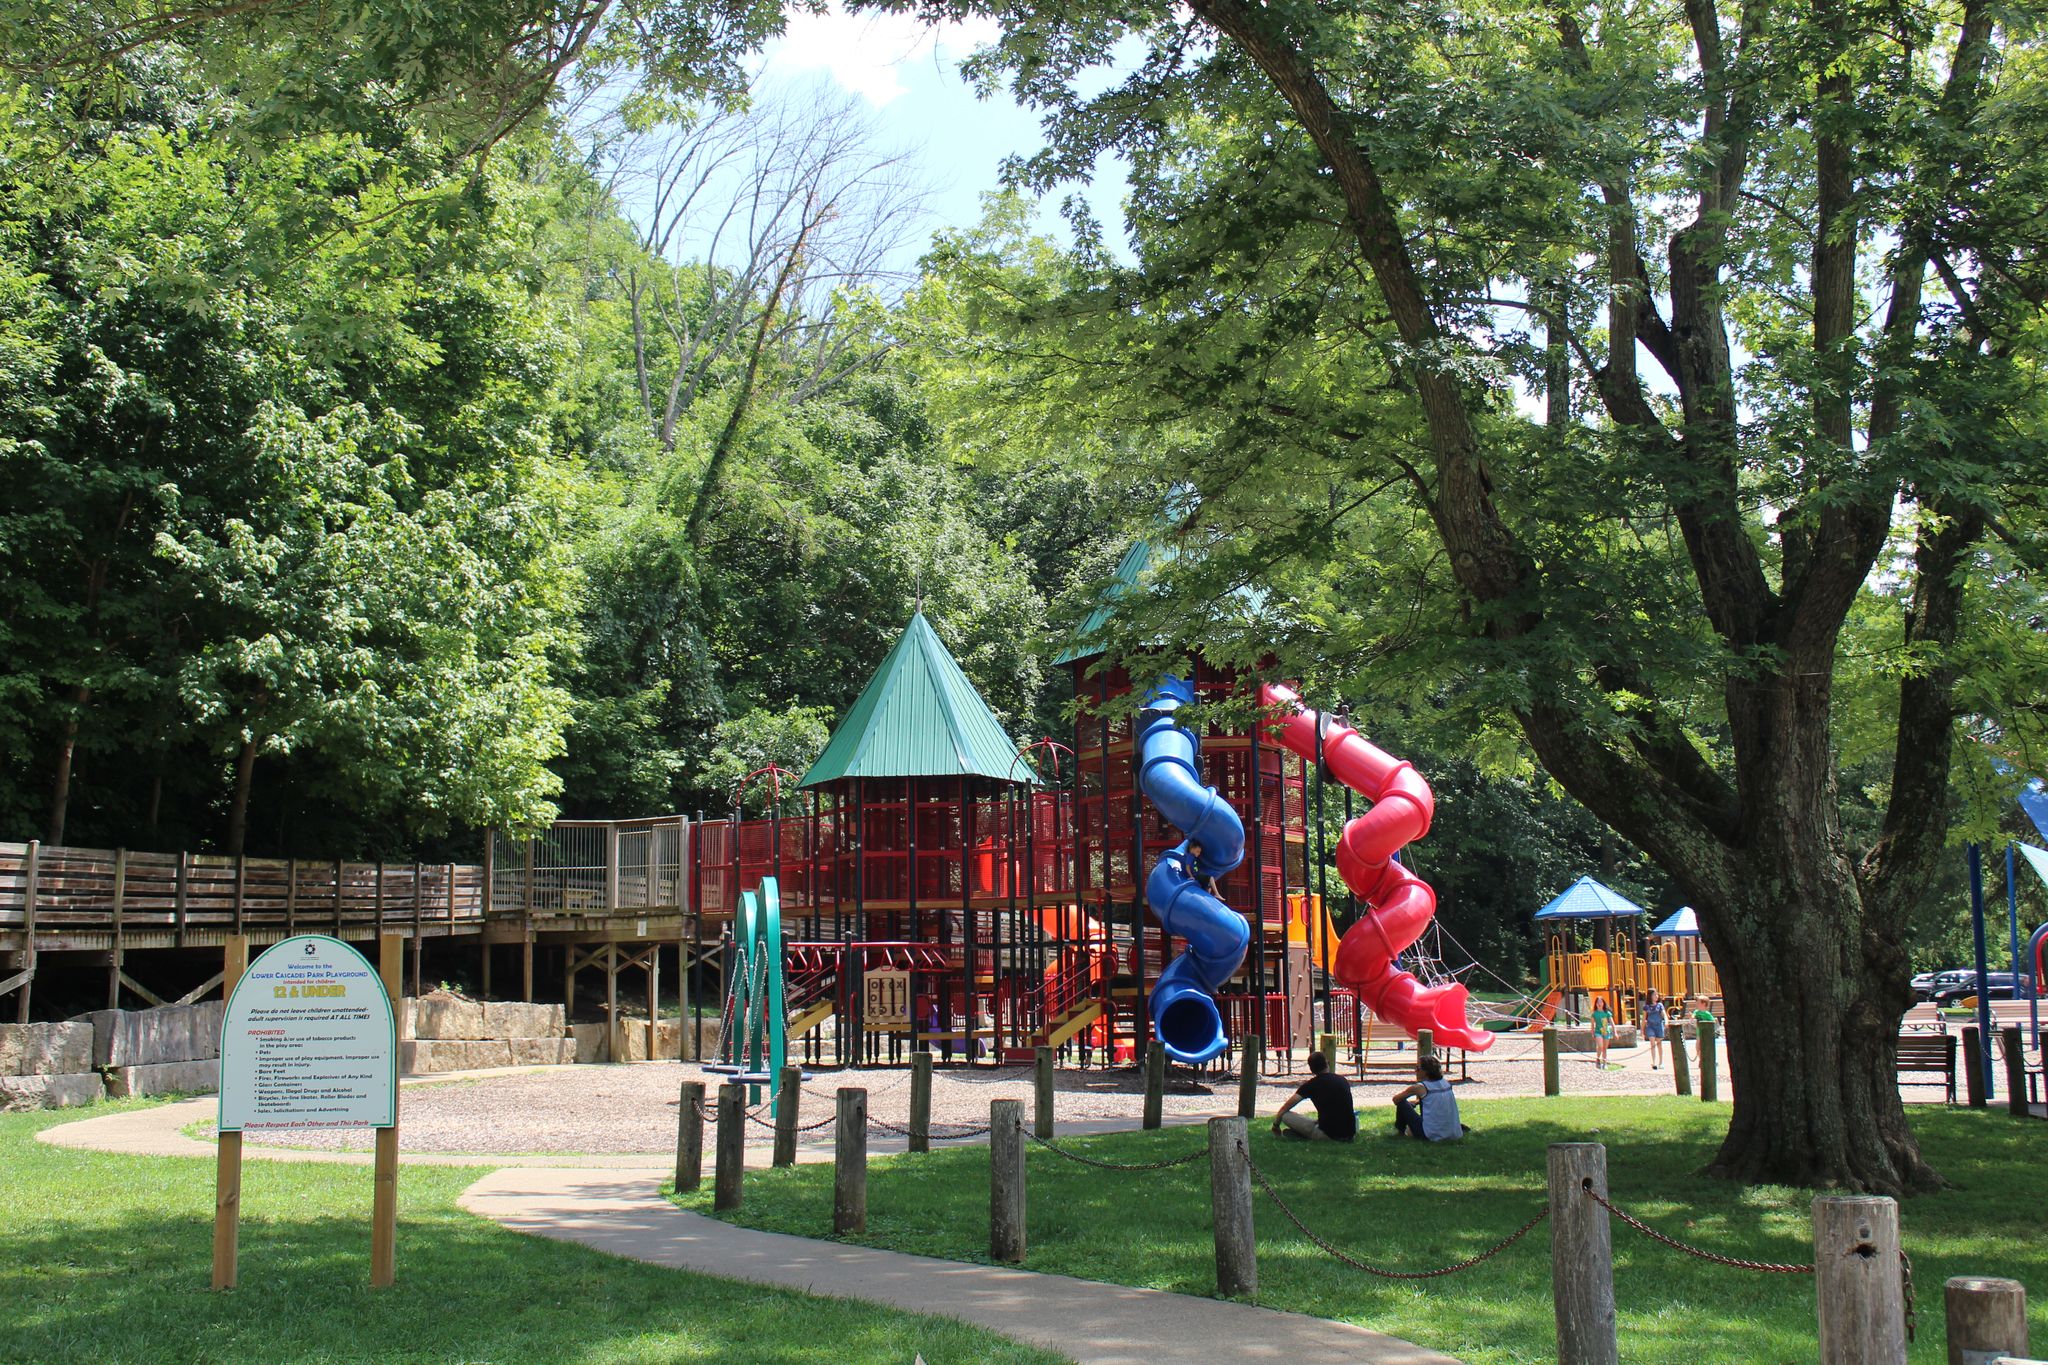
x: 1335, y: 1121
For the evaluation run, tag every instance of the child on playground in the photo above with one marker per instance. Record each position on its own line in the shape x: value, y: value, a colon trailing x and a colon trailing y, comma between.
x: 1603, y: 1030
x: 1653, y: 1029
x: 1433, y: 1113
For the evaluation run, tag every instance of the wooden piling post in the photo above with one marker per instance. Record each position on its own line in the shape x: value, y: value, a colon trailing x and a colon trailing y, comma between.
x: 1973, y: 1066
x: 1858, y: 1294
x: 690, y: 1136
x: 1155, y: 1084
x: 920, y: 1139
x: 729, y: 1163
x: 1425, y: 1048
x: 227, y: 1169
x: 1986, y: 1319
x: 1041, y: 1093
x: 1006, y: 1180
x: 1230, y: 1201
x: 1551, y: 1079
x: 2015, y: 1071
x: 1248, y: 1081
x: 1581, y: 1256
x: 788, y: 1096
x: 384, y: 1177
x: 850, y: 1163
x: 1681, y: 1065
x: 1326, y: 1043
x: 1710, y: 1061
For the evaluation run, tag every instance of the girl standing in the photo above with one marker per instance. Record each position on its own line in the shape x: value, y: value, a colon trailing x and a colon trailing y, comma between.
x: 1653, y: 1029
x: 1603, y: 1030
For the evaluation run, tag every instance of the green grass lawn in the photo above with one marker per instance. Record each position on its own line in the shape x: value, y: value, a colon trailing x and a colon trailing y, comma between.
x: 1405, y: 1206
x: 106, y: 1258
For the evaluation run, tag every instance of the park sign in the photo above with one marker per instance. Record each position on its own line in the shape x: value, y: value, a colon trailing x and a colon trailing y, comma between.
x: 308, y: 1041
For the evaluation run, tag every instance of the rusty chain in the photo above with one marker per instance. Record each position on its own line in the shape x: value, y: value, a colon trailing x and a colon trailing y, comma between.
x: 801, y: 1127
x: 956, y: 1130
x: 1496, y: 1249
x: 1167, y: 1164
x: 1767, y: 1267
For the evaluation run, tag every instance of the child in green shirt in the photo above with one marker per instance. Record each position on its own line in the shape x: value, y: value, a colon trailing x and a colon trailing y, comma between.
x: 1603, y: 1030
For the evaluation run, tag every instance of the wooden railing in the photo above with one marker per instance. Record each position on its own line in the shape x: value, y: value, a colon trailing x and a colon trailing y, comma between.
x: 57, y: 889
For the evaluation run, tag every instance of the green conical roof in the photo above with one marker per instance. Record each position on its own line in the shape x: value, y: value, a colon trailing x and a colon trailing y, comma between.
x: 919, y: 717
x: 1084, y: 644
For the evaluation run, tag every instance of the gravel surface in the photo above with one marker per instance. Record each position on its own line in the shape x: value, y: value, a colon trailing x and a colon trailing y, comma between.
x: 631, y: 1108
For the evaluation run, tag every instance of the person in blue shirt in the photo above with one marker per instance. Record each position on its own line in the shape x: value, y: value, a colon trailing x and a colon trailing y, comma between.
x: 1653, y: 1029
x: 1428, y: 1109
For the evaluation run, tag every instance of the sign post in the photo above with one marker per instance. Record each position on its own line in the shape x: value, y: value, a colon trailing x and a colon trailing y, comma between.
x: 309, y: 1040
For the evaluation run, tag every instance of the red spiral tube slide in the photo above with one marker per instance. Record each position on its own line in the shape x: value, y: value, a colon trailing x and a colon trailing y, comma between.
x: 1399, y: 903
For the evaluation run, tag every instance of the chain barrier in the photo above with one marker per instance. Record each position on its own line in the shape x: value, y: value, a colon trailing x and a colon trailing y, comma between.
x: 1496, y: 1249
x: 954, y: 1131
x: 801, y: 1127
x: 1167, y: 1164
x: 1767, y: 1267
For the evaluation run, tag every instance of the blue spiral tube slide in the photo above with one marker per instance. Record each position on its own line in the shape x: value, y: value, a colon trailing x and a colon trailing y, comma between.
x: 1184, y: 1015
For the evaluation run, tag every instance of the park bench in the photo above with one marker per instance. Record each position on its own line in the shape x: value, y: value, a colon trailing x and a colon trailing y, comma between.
x: 1926, y: 1054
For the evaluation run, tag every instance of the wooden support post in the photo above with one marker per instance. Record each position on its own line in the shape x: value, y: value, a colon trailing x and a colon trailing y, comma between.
x: 1973, y: 1066
x: 1552, y: 1083
x: 291, y: 897
x: 1425, y: 1048
x: 419, y: 939
x: 1041, y: 1093
x: 180, y: 893
x: 1155, y: 1083
x: 1710, y: 1061
x: 732, y: 1147
x: 1681, y: 1064
x: 1006, y: 1180
x: 1248, y: 1080
x: 850, y: 1163
x: 30, y: 872
x: 1986, y: 1319
x: 654, y: 1004
x: 1858, y: 1293
x: 787, y: 1098
x: 526, y: 964
x: 227, y: 1168
x: 384, y: 1196
x: 611, y: 1003
x: 1230, y: 1201
x: 2015, y: 1071
x: 340, y: 874
x: 920, y: 1139
x: 241, y: 887
x: 1326, y: 1043
x: 1581, y: 1256
x: 690, y: 1136
x: 116, y: 958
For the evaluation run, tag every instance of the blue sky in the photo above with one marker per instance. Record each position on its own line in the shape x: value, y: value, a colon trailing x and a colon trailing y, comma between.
x: 907, y: 73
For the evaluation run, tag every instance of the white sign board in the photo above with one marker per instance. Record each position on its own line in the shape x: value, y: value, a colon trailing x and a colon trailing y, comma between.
x: 886, y: 1004
x: 309, y: 1041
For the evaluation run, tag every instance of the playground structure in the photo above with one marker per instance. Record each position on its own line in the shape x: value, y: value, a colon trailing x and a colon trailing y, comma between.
x: 931, y: 882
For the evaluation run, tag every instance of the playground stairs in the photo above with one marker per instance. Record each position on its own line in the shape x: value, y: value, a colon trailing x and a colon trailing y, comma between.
x: 809, y: 1017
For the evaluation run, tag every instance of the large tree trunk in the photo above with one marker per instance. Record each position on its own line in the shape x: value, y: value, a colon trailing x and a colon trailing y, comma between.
x: 1813, y: 1020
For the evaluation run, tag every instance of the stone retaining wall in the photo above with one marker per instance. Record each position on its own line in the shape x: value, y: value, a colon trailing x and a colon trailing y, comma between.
x: 47, y: 1066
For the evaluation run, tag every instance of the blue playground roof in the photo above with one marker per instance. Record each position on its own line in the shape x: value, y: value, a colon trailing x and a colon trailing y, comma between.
x: 1588, y: 899
x: 2034, y: 801
x: 1682, y: 924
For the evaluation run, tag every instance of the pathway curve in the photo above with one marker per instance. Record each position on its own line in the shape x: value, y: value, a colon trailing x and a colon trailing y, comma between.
x: 622, y: 1212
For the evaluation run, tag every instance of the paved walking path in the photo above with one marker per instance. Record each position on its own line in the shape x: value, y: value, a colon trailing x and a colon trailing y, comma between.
x: 620, y: 1212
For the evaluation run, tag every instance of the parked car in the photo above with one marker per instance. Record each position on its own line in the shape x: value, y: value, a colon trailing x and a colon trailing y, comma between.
x: 1997, y: 985
x: 1927, y: 985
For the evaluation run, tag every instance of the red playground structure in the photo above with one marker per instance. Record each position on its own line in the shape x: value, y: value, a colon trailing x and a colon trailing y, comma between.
x: 942, y: 886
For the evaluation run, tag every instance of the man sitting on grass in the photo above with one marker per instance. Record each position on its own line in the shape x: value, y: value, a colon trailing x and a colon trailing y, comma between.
x: 1335, y: 1120
x: 1433, y: 1114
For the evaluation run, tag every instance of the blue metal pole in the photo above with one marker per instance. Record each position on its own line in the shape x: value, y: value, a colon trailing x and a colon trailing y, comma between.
x: 2012, y: 915
x: 2034, y: 981
x: 1984, y: 1034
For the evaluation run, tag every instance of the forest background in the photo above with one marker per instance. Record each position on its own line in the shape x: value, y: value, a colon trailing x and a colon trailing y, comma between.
x: 380, y: 471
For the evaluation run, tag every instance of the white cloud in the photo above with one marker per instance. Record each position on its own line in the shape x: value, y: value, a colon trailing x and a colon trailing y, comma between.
x: 864, y: 53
